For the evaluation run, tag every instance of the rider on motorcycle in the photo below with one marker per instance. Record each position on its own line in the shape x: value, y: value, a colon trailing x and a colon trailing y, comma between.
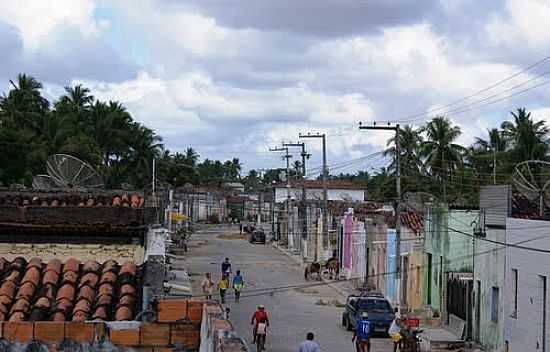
x: 259, y: 316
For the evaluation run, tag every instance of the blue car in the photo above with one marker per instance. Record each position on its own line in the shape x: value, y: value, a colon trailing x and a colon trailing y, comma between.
x: 379, y: 309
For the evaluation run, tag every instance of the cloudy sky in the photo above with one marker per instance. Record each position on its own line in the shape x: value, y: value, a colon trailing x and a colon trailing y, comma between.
x: 234, y: 77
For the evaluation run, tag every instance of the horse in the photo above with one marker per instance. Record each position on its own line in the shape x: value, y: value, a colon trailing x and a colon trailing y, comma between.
x: 313, y: 268
x: 333, y: 267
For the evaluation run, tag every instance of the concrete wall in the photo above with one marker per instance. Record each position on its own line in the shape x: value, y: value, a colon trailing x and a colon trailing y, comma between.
x: 489, y: 272
x: 448, y: 241
x: 98, y: 252
x: 317, y: 194
x: 523, y: 331
x: 413, y: 251
x: 391, y: 266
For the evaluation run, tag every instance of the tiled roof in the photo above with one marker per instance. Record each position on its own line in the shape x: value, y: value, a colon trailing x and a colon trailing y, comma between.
x: 412, y: 220
x: 70, y: 291
x: 524, y: 208
x: 81, y: 200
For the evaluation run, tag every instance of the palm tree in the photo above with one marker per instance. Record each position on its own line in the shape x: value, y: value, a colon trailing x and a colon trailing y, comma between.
x: 484, y: 155
x: 441, y: 154
x: 410, y: 141
x: 191, y: 157
x: 528, y: 139
x: 144, y: 147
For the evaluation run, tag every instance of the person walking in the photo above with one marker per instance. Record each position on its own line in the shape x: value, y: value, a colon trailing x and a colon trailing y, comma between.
x: 309, y: 345
x: 238, y: 283
x: 207, y: 286
x: 223, y: 284
x: 362, y: 333
x: 226, y: 267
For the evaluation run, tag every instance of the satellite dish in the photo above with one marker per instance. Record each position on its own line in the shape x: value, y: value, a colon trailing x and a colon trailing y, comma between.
x: 67, y: 171
x: 43, y: 182
x: 532, y: 179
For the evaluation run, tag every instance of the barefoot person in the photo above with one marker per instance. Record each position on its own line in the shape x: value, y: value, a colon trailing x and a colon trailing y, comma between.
x: 207, y: 286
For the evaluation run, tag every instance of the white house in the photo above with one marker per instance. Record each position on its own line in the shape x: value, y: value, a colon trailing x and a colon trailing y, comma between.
x: 336, y: 190
x: 527, y: 272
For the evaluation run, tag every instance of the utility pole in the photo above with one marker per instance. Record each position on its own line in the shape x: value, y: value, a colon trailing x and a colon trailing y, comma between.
x: 396, y: 129
x: 304, y: 156
x: 325, y: 192
x: 287, y: 157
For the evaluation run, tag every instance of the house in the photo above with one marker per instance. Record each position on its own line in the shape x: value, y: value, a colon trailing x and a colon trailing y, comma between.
x: 336, y: 190
x: 202, y: 203
x: 412, y: 258
x: 489, y: 266
x: 235, y: 187
x: 448, y: 261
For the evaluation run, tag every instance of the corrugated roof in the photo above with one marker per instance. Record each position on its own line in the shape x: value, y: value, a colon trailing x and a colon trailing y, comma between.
x: 72, y: 291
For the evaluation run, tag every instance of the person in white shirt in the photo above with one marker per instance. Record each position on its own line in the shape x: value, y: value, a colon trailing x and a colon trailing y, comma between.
x: 309, y: 345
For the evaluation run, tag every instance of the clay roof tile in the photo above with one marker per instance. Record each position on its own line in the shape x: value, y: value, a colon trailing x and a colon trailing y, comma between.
x: 26, y: 291
x: 43, y: 302
x: 17, y: 316
x: 126, y: 300
x: 18, y: 264
x: 3, y: 264
x: 6, y: 300
x: 8, y: 289
x: 90, y: 279
x: 100, y: 314
x: 35, y: 263
x: 50, y: 278
x: 106, y: 290
x: 108, y: 277
x: 127, y: 290
x: 3, y: 309
x: 71, y: 264
x: 123, y: 313
x: 80, y: 316
x: 13, y: 276
x: 21, y: 305
x: 58, y: 316
x: 83, y: 306
x: 32, y: 275
x: 70, y: 277
x: 104, y: 300
x: 54, y: 265
x: 90, y: 266
x: 128, y: 268
x: 67, y: 292
x: 63, y: 305
x: 109, y: 265
x: 87, y: 293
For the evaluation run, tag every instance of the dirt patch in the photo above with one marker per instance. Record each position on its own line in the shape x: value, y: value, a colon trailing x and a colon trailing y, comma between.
x: 232, y: 236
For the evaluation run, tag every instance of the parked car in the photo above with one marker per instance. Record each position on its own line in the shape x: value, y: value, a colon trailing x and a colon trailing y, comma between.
x: 376, y: 305
x: 257, y: 236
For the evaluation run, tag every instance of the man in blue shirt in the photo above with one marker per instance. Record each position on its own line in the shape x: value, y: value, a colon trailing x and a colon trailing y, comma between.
x: 361, y: 336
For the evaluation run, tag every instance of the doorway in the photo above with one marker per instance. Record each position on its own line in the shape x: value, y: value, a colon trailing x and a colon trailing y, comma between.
x: 429, y: 286
x: 405, y: 280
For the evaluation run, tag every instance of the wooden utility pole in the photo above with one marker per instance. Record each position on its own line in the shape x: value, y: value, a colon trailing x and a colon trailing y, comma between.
x: 396, y: 129
x: 325, y: 191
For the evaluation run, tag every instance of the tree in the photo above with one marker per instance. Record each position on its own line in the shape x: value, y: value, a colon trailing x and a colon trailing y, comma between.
x: 528, y: 139
x: 441, y: 154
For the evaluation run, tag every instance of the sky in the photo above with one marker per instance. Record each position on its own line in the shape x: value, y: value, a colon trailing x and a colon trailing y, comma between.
x: 232, y: 78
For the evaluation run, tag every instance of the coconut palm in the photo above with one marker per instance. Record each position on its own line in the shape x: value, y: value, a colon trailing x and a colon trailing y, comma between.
x: 410, y: 141
x: 528, y: 139
x: 442, y: 155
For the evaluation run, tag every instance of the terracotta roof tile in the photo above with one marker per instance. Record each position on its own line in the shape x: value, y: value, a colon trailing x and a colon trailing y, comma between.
x: 67, y: 292
x: 54, y: 265
x: 50, y: 277
x: 87, y: 293
x: 71, y: 291
x: 26, y: 291
x: 123, y: 313
x: 90, y: 279
x: 128, y: 268
x: 32, y: 275
x: 71, y: 264
x: 90, y: 266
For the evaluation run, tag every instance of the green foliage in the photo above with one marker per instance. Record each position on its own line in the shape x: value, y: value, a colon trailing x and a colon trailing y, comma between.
x: 104, y: 134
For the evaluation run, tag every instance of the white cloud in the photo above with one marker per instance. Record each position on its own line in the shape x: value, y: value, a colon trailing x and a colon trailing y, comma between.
x: 38, y: 19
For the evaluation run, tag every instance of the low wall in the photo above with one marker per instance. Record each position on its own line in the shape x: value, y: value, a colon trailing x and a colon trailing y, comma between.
x: 217, y: 332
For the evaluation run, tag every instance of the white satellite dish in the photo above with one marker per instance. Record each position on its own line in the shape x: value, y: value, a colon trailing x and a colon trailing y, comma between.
x: 67, y: 171
x: 43, y: 182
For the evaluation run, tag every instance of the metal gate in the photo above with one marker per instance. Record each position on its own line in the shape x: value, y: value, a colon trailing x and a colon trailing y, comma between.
x: 459, y: 293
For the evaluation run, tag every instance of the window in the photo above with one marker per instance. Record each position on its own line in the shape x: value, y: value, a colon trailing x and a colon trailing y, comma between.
x: 494, y: 305
x: 515, y: 297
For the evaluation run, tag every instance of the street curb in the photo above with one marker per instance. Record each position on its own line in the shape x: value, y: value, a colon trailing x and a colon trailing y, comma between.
x: 332, y: 284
